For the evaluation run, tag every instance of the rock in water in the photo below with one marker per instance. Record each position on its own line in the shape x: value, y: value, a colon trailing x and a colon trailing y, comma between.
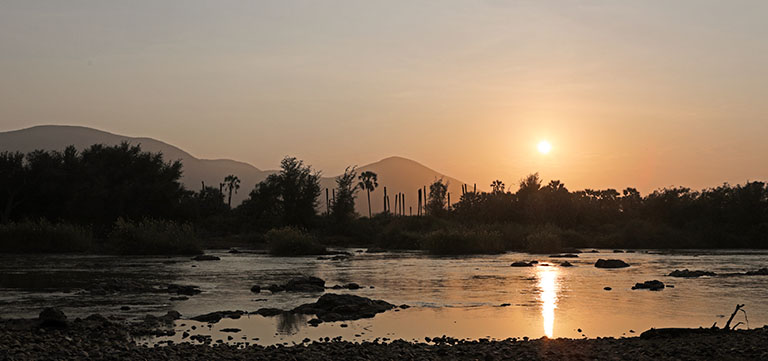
x: 206, y: 257
x: 268, y: 312
x: 566, y: 264
x: 256, y: 289
x: 611, y: 263
x: 522, y: 264
x: 305, y: 284
x: 183, y: 289
x: 214, y: 317
x: 52, y: 317
x: 334, y: 307
x: 690, y: 274
x: 760, y: 272
x: 654, y: 285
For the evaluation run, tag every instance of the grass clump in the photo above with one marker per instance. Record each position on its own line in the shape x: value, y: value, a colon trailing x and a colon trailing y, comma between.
x: 289, y: 241
x: 458, y: 241
x: 544, y: 239
x: 153, y: 237
x: 44, y: 237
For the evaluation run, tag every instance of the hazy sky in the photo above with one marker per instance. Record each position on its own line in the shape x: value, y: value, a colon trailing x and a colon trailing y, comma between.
x: 629, y: 93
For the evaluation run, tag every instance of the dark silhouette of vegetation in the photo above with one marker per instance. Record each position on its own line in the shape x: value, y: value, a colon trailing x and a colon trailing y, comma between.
x: 42, y: 236
x: 231, y: 182
x: 343, y: 207
x: 286, y: 198
x: 152, y: 237
x: 291, y: 241
x: 369, y: 182
x: 436, y: 203
x: 120, y: 199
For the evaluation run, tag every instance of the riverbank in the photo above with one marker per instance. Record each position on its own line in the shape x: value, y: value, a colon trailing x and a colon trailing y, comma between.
x: 98, y: 338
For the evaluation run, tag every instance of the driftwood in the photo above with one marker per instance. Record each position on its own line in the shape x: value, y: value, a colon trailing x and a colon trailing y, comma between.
x: 738, y: 308
x: 680, y: 332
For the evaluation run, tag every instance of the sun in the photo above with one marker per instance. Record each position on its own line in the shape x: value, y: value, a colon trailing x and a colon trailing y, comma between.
x: 544, y: 147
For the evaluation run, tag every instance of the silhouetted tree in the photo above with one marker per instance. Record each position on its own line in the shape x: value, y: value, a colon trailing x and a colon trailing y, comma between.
x: 369, y: 182
x: 497, y: 186
x: 12, y: 181
x: 437, y: 198
x: 344, y: 205
x: 287, y: 198
x: 231, y: 182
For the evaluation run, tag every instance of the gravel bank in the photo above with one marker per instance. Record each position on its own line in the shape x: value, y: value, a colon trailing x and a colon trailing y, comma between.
x: 101, y: 339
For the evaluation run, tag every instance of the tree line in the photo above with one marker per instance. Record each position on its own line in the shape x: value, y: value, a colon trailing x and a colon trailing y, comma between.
x: 102, y: 184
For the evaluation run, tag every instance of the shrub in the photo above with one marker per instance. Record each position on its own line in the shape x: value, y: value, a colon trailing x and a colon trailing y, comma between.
x: 289, y: 241
x: 44, y: 237
x: 463, y: 241
x: 150, y: 236
x: 545, y: 239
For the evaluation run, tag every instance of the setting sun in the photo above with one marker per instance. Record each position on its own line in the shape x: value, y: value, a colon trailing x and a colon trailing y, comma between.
x: 544, y: 147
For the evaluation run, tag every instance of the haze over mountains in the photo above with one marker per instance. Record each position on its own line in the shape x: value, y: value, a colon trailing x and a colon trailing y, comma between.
x: 396, y: 173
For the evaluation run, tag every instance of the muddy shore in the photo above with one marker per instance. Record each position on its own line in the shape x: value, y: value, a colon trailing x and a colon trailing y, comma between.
x: 101, y: 339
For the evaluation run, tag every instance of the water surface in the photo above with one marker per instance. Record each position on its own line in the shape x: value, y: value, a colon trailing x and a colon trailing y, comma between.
x: 463, y: 297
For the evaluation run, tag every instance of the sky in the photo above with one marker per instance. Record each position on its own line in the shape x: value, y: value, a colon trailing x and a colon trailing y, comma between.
x: 646, y: 94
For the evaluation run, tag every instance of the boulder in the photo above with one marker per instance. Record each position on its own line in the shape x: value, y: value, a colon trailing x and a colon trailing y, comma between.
x: 268, y: 312
x: 334, y: 307
x: 760, y: 272
x: 52, y: 317
x: 256, y: 289
x: 654, y: 285
x: 305, y: 284
x: 566, y: 264
x: 565, y: 255
x: 214, y: 317
x: 183, y: 289
x: 611, y: 263
x: 690, y: 274
x: 522, y: 264
x: 275, y: 288
x: 206, y: 257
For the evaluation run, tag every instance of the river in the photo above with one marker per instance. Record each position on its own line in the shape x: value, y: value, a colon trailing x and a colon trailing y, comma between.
x: 461, y: 297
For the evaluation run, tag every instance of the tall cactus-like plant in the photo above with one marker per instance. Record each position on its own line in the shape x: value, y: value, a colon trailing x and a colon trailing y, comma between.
x: 369, y: 182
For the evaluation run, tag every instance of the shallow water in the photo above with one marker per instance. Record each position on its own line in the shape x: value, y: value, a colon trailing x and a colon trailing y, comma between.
x: 456, y: 296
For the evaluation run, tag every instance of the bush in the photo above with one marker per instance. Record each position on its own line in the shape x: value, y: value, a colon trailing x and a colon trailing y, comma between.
x: 463, y: 241
x: 149, y: 237
x: 44, y: 237
x: 545, y: 239
x: 289, y: 241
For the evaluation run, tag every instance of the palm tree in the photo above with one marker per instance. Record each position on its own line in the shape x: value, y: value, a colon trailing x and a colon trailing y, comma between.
x: 369, y: 182
x: 232, y: 183
x: 497, y: 186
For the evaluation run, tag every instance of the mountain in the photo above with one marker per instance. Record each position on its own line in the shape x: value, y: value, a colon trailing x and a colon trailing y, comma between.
x: 396, y: 173
x: 399, y: 175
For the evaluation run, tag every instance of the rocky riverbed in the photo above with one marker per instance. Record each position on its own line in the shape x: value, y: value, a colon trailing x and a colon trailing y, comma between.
x: 101, y: 339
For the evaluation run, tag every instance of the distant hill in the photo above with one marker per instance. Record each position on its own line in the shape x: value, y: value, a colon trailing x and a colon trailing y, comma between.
x: 399, y: 175
x: 396, y: 173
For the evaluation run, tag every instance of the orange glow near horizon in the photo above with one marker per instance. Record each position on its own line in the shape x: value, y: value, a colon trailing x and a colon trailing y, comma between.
x: 548, y: 288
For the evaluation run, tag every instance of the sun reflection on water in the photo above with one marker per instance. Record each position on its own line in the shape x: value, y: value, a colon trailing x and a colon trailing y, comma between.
x: 548, y: 287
